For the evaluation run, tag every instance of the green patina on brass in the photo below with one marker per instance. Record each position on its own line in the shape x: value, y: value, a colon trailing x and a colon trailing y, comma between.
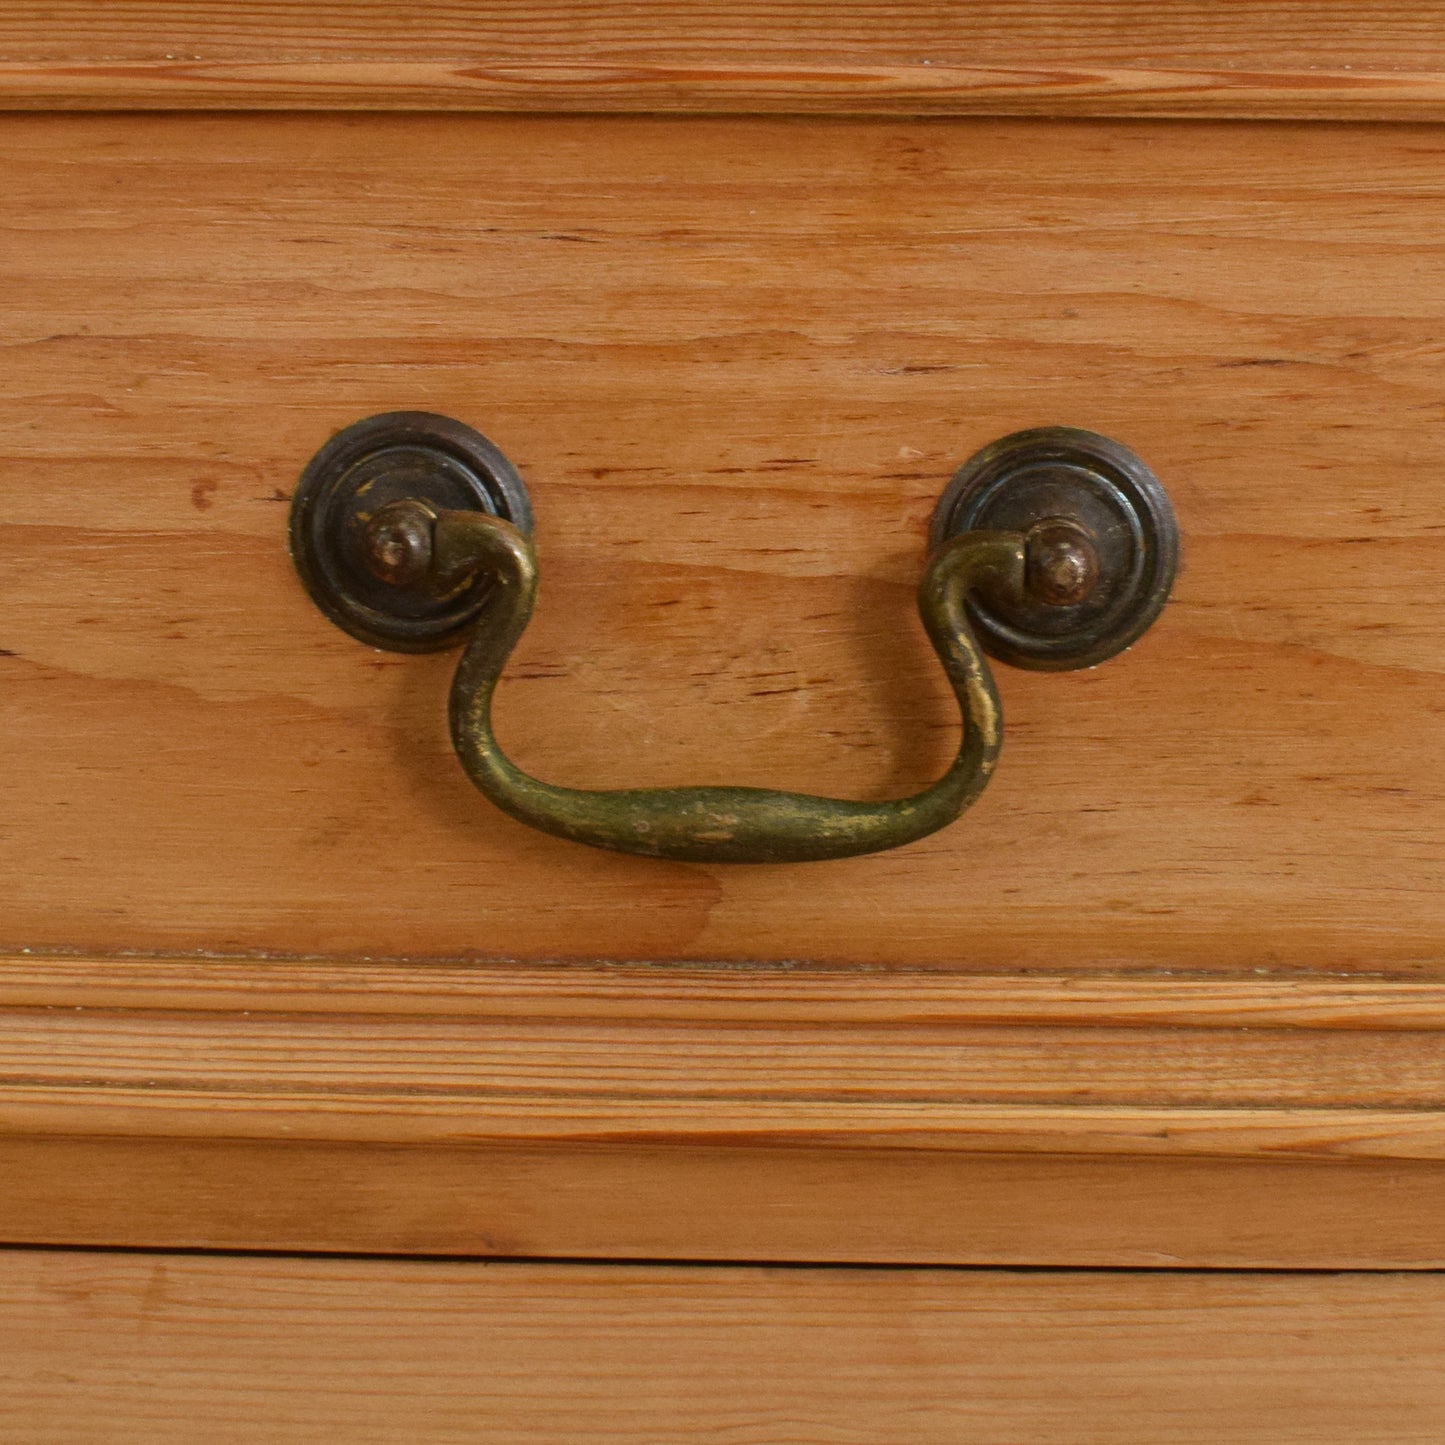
x: 719, y: 824
x: 1056, y: 547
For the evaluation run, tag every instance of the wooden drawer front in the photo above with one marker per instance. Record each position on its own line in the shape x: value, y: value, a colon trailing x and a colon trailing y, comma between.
x: 175, y: 1348
x: 736, y: 361
x: 1172, y: 993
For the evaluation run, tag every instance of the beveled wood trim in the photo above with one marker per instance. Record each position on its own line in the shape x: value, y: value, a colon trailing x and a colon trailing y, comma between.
x: 722, y: 89
x: 719, y: 992
x: 674, y: 1111
x: 1321, y: 58
x: 434, y: 1054
x: 392, y: 1119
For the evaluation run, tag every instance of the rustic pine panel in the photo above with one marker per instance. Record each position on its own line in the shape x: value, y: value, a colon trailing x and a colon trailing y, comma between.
x: 101, y: 1348
x: 736, y: 360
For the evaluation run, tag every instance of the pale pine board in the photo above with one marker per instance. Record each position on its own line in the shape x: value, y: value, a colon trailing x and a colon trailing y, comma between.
x: 101, y: 1348
x: 737, y: 361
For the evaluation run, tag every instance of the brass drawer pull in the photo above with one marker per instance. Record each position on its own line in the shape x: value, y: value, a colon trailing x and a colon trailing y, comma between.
x: 1057, y: 546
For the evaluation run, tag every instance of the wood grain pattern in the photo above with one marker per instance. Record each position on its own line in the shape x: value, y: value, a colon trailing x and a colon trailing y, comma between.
x: 736, y: 361
x: 656, y: 1056
x: 112, y: 1348
x: 1071, y: 57
x: 710, y: 1199
x: 661, y: 994
x: 689, y: 1112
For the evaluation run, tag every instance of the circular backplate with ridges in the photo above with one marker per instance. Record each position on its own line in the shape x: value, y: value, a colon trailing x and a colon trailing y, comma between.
x: 400, y: 454
x: 1097, y: 486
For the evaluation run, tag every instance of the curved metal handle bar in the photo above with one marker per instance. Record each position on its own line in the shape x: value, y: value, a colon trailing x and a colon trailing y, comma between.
x: 717, y: 824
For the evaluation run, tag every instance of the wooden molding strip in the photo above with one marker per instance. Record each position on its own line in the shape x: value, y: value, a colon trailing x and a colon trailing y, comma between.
x: 857, y: 90
x: 716, y: 992
x: 1322, y: 58
x: 655, y: 1111
x: 434, y: 1054
x: 388, y: 1119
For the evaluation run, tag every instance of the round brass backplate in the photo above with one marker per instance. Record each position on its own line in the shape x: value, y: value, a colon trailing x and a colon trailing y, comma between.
x: 400, y: 455
x: 1103, y: 545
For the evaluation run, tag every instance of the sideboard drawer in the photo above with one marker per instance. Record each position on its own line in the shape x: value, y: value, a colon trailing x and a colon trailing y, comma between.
x: 274, y: 975
x: 736, y: 362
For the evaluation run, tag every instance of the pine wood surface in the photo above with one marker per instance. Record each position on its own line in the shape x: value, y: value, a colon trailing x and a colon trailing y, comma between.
x: 736, y: 361
x: 718, y: 993
x: 690, y: 1112
x: 657, y: 1056
x: 169, y: 1348
x: 721, y: 1200
x: 1072, y: 57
